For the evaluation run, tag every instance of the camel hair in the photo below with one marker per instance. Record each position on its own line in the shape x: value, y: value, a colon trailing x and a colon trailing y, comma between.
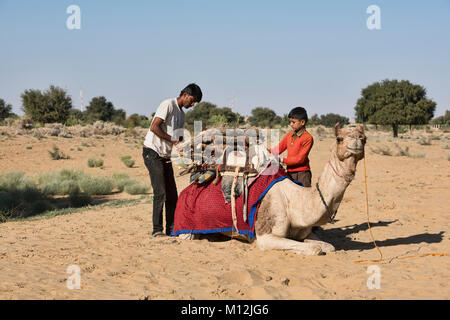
x: 288, y: 211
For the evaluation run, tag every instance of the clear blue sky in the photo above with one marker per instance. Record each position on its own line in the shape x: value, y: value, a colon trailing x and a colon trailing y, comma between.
x: 276, y: 54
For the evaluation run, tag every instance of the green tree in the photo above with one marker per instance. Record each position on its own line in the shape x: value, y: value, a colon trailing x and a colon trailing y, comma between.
x: 119, y: 117
x: 393, y: 102
x: 201, y: 112
x: 314, y: 120
x: 264, y: 117
x: 330, y: 119
x: 51, y: 106
x: 100, y: 109
x: 136, y: 120
x: 5, y: 110
x: 76, y: 117
x: 442, y: 120
x: 210, y: 115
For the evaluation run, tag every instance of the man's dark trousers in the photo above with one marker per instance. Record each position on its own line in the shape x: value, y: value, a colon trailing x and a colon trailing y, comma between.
x: 164, y: 189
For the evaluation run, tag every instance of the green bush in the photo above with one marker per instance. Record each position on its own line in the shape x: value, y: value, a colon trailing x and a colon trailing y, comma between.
x: 95, y: 163
x: 64, y: 182
x: 128, y: 161
x: 96, y: 185
x: 20, y: 197
x: 136, y: 188
x: 79, y: 199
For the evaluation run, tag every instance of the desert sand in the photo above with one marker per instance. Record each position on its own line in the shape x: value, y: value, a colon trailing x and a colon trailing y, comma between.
x: 409, y: 201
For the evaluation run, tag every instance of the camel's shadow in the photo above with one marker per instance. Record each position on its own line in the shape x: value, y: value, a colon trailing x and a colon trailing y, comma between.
x: 338, y: 237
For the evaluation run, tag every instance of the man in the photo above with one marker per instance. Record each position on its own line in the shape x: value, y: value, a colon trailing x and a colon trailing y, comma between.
x: 164, y: 133
x: 298, y: 143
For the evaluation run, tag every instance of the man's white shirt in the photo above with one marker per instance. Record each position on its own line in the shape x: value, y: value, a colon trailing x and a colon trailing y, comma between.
x: 173, y: 125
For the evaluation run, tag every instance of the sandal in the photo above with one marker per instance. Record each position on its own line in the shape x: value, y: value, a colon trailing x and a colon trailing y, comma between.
x: 158, y: 234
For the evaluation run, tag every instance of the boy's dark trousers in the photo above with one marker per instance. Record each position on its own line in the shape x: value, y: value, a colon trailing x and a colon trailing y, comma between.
x: 302, y: 176
x: 164, y: 189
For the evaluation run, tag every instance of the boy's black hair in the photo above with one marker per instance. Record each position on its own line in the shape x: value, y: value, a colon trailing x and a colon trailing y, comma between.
x: 298, y: 113
x: 193, y: 90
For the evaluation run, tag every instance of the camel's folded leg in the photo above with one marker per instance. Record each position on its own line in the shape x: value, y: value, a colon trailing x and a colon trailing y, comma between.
x: 273, y: 242
x: 325, y: 246
x: 188, y: 236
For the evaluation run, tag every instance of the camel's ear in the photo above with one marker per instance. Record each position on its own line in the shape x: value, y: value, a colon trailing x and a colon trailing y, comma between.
x: 337, y: 130
x: 360, y: 128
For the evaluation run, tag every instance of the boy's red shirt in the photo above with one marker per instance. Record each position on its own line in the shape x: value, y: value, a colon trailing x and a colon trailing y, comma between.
x: 298, y: 149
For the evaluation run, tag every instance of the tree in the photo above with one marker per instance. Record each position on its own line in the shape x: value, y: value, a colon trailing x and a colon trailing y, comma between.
x: 210, y: 115
x: 393, y: 102
x: 119, y: 117
x: 442, y: 120
x: 76, y: 117
x: 330, y: 119
x: 51, y: 106
x: 100, y: 109
x: 314, y: 120
x: 5, y: 110
x: 201, y: 112
x: 264, y: 117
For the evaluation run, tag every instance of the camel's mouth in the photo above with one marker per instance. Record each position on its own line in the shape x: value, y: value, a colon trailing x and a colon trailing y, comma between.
x: 355, y: 150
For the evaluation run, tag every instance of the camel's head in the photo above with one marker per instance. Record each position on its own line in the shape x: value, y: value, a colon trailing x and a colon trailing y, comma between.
x: 350, y: 142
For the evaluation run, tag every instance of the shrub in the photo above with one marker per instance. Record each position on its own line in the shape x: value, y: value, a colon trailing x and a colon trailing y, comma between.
x: 29, y: 147
x: 424, y: 141
x: 121, y: 180
x: 79, y: 199
x: 136, y: 188
x: 96, y: 186
x: 97, y: 163
x: 56, y: 154
x: 63, y: 182
x: 20, y: 197
x: 128, y: 161
x: 382, y: 150
x: 417, y: 156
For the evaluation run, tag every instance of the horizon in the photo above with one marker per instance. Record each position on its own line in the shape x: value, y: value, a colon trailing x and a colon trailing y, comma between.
x: 256, y: 53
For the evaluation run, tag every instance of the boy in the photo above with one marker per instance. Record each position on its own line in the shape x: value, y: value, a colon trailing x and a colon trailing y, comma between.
x: 298, y: 143
x: 163, y: 134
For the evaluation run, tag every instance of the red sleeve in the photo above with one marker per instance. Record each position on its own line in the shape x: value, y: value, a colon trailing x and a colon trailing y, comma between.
x: 302, y: 154
x: 281, y: 146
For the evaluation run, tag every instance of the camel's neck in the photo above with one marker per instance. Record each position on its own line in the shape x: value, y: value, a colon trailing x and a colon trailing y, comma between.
x: 333, y: 182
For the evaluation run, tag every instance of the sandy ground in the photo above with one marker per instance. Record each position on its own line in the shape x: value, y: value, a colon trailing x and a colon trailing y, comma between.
x: 409, y: 210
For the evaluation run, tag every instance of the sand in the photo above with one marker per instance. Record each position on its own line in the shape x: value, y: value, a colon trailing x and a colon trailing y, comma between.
x: 409, y: 210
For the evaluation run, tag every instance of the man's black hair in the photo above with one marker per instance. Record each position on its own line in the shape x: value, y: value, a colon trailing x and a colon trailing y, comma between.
x: 298, y: 113
x: 193, y: 90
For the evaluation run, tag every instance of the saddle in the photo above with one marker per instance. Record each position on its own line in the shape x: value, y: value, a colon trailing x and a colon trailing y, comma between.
x: 235, y: 163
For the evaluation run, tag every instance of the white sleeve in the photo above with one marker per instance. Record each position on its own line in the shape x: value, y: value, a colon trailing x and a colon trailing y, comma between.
x: 163, y: 110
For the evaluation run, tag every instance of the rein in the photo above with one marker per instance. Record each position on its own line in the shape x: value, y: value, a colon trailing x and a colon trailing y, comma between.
x: 330, y: 215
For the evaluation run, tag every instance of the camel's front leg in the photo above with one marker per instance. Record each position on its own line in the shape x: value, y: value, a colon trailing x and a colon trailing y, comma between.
x: 272, y: 242
x: 325, y: 246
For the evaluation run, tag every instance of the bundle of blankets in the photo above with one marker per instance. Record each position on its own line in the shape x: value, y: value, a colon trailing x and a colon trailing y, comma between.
x: 226, y: 197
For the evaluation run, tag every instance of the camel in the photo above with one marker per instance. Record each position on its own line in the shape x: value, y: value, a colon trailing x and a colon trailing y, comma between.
x: 288, y: 211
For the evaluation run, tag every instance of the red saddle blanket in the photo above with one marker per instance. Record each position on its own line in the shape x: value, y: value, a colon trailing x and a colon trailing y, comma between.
x: 203, y: 209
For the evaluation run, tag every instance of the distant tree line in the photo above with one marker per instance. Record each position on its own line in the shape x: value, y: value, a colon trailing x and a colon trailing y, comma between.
x: 54, y: 105
x: 442, y: 120
x: 5, y: 110
x: 387, y: 102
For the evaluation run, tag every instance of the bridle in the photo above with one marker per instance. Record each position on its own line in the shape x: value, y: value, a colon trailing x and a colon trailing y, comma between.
x: 330, y: 215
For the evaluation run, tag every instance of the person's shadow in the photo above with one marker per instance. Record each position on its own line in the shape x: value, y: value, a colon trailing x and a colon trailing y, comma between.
x: 338, y: 237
